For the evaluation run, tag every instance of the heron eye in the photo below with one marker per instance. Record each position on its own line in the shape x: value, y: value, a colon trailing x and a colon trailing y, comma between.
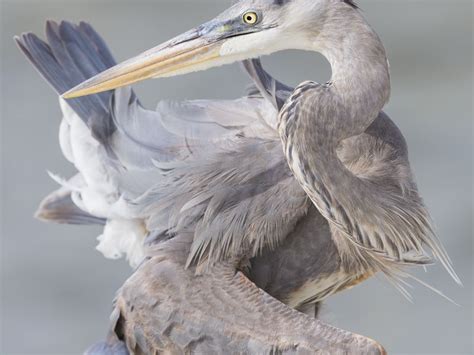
x: 250, y: 18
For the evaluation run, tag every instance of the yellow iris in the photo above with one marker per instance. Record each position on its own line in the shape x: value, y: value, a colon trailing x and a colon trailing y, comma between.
x: 250, y: 18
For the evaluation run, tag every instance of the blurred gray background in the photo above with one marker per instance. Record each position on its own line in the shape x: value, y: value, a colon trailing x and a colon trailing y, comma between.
x: 57, y: 290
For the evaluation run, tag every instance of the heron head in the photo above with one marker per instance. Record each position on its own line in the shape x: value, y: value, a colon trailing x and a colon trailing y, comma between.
x: 248, y: 29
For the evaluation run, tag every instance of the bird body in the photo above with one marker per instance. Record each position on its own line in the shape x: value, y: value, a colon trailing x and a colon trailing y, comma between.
x: 283, y: 197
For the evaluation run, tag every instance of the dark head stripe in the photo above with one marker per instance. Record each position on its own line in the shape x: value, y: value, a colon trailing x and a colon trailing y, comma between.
x: 351, y: 3
x: 283, y: 2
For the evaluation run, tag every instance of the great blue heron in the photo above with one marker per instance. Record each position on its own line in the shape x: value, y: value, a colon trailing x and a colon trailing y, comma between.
x: 201, y: 195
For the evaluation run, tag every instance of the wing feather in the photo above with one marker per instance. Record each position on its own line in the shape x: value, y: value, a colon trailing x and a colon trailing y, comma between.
x: 195, y: 165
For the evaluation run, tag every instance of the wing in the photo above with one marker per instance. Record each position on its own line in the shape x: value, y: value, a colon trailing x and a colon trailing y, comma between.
x: 381, y: 157
x: 364, y: 188
x: 213, y: 167
x: 165, y: 308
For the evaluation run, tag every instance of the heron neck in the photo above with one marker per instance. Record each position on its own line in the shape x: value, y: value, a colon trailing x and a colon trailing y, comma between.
x: 318, y: 117
x: 360, y: 70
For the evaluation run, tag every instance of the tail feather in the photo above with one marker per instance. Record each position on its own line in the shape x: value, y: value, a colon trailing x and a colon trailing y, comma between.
x: 84, y: 55
x: 99, y: 44
x: 72, y: 54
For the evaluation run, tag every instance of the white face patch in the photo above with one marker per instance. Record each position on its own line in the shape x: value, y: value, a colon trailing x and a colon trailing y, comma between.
x: 262, y: 43
x: 254, y: 44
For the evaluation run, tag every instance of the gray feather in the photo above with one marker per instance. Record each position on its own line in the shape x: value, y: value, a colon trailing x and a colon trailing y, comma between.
x: 112, y: 345
x: 106, y: 348
x: 59, y: 207
x: 73, y: 54
x: 165, y: 308
x: 235, y: 199
x: 271, y: 89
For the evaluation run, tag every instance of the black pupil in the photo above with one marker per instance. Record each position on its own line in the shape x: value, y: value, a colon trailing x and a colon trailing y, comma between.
x: 249, y: 18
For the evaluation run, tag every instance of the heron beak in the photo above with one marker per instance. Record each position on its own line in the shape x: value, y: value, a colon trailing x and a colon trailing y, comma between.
x: 195, y: 50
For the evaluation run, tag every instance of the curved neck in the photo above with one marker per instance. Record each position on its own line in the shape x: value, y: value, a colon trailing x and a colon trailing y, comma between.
x: 376, y: 222
x: 317, y: 118
x: 360, y: 79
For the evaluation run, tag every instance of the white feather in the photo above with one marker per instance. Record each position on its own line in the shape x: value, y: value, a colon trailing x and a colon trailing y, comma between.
x: 123, y: 238
x: 65, y: 140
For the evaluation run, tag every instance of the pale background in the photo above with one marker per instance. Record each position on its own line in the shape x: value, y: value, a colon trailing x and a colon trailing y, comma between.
x: 57, y: 290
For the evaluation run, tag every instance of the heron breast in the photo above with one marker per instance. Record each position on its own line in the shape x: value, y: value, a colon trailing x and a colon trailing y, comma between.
x: 318, y: 289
